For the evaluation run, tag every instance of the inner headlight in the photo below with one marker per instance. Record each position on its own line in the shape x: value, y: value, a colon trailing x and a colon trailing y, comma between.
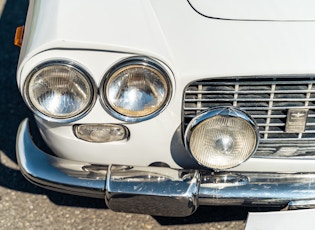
x: 222, y: 138
x: 59, y: 91
x: 136, y: 89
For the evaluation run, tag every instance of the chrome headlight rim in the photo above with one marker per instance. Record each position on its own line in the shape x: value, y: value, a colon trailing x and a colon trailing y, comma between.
x: 223, y: 111
x: 63, y: 63
x: 134, y: 61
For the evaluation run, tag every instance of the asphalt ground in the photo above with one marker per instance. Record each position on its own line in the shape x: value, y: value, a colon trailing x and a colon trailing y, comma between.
x: 26, y: 206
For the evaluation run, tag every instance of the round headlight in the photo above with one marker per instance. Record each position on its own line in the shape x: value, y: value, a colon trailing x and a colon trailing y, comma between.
x: 136, y: 89
x: 59, y: 91
x: 222, y: 138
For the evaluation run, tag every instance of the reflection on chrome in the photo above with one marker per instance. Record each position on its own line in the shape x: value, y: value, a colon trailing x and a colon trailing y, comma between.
x: 162, y: 190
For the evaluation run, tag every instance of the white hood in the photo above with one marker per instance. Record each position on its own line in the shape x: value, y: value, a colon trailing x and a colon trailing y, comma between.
x: 270, y: 10
x: 171, y: 31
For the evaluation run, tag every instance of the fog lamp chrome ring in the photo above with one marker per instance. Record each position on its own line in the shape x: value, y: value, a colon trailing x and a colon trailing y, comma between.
x: 222, y: 138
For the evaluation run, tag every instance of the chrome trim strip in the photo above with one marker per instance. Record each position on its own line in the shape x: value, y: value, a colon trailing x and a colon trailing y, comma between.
x: 259, y: 80
x: 159, y: 185
x: 249, y: 91
x: 250, y: 99
x: 302, y: 204
x: 253, y: 108
x: 271, y: 189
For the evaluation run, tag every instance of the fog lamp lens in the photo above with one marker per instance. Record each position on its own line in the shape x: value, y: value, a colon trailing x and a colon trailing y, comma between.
x: 101, y: 132
x: 222, y: 139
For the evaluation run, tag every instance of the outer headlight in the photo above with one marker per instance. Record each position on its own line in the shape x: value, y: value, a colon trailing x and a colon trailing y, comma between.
x: 222, y: 138
x: 59, y: 91
x: 136, y: 89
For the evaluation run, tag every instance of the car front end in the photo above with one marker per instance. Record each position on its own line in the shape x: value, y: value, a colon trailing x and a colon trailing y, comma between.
x: 159, y: 108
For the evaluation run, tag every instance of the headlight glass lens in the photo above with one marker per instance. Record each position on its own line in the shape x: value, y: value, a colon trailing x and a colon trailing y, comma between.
x: 59, y: 91
x: 136, y: 90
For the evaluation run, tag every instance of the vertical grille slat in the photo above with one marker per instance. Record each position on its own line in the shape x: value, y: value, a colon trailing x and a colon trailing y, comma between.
x: 266, y: 99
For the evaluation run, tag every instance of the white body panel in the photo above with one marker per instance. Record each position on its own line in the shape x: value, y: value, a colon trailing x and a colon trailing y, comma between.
x: 192, y: 46
x: 290, y: 220
x: 283, y: 10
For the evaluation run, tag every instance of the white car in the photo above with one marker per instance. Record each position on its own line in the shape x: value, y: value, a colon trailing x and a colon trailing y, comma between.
x: 160, y: 106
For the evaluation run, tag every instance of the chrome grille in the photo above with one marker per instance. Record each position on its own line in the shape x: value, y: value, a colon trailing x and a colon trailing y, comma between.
x: 267, y: 100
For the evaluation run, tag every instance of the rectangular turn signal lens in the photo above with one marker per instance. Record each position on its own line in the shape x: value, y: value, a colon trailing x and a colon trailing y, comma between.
x: 101, y: 133
x: 19, y: 36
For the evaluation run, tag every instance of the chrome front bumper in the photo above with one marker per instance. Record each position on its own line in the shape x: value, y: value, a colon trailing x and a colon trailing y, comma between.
x: 158, y: 190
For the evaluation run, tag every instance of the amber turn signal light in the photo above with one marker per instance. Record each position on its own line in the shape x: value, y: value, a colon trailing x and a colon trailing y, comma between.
x: 19, y: 36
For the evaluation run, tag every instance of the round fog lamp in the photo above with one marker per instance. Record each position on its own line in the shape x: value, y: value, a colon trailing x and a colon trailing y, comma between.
x: 222, y: 138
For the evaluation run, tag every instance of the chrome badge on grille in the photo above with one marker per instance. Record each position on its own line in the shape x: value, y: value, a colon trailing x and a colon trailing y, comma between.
x: 296, y: 120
